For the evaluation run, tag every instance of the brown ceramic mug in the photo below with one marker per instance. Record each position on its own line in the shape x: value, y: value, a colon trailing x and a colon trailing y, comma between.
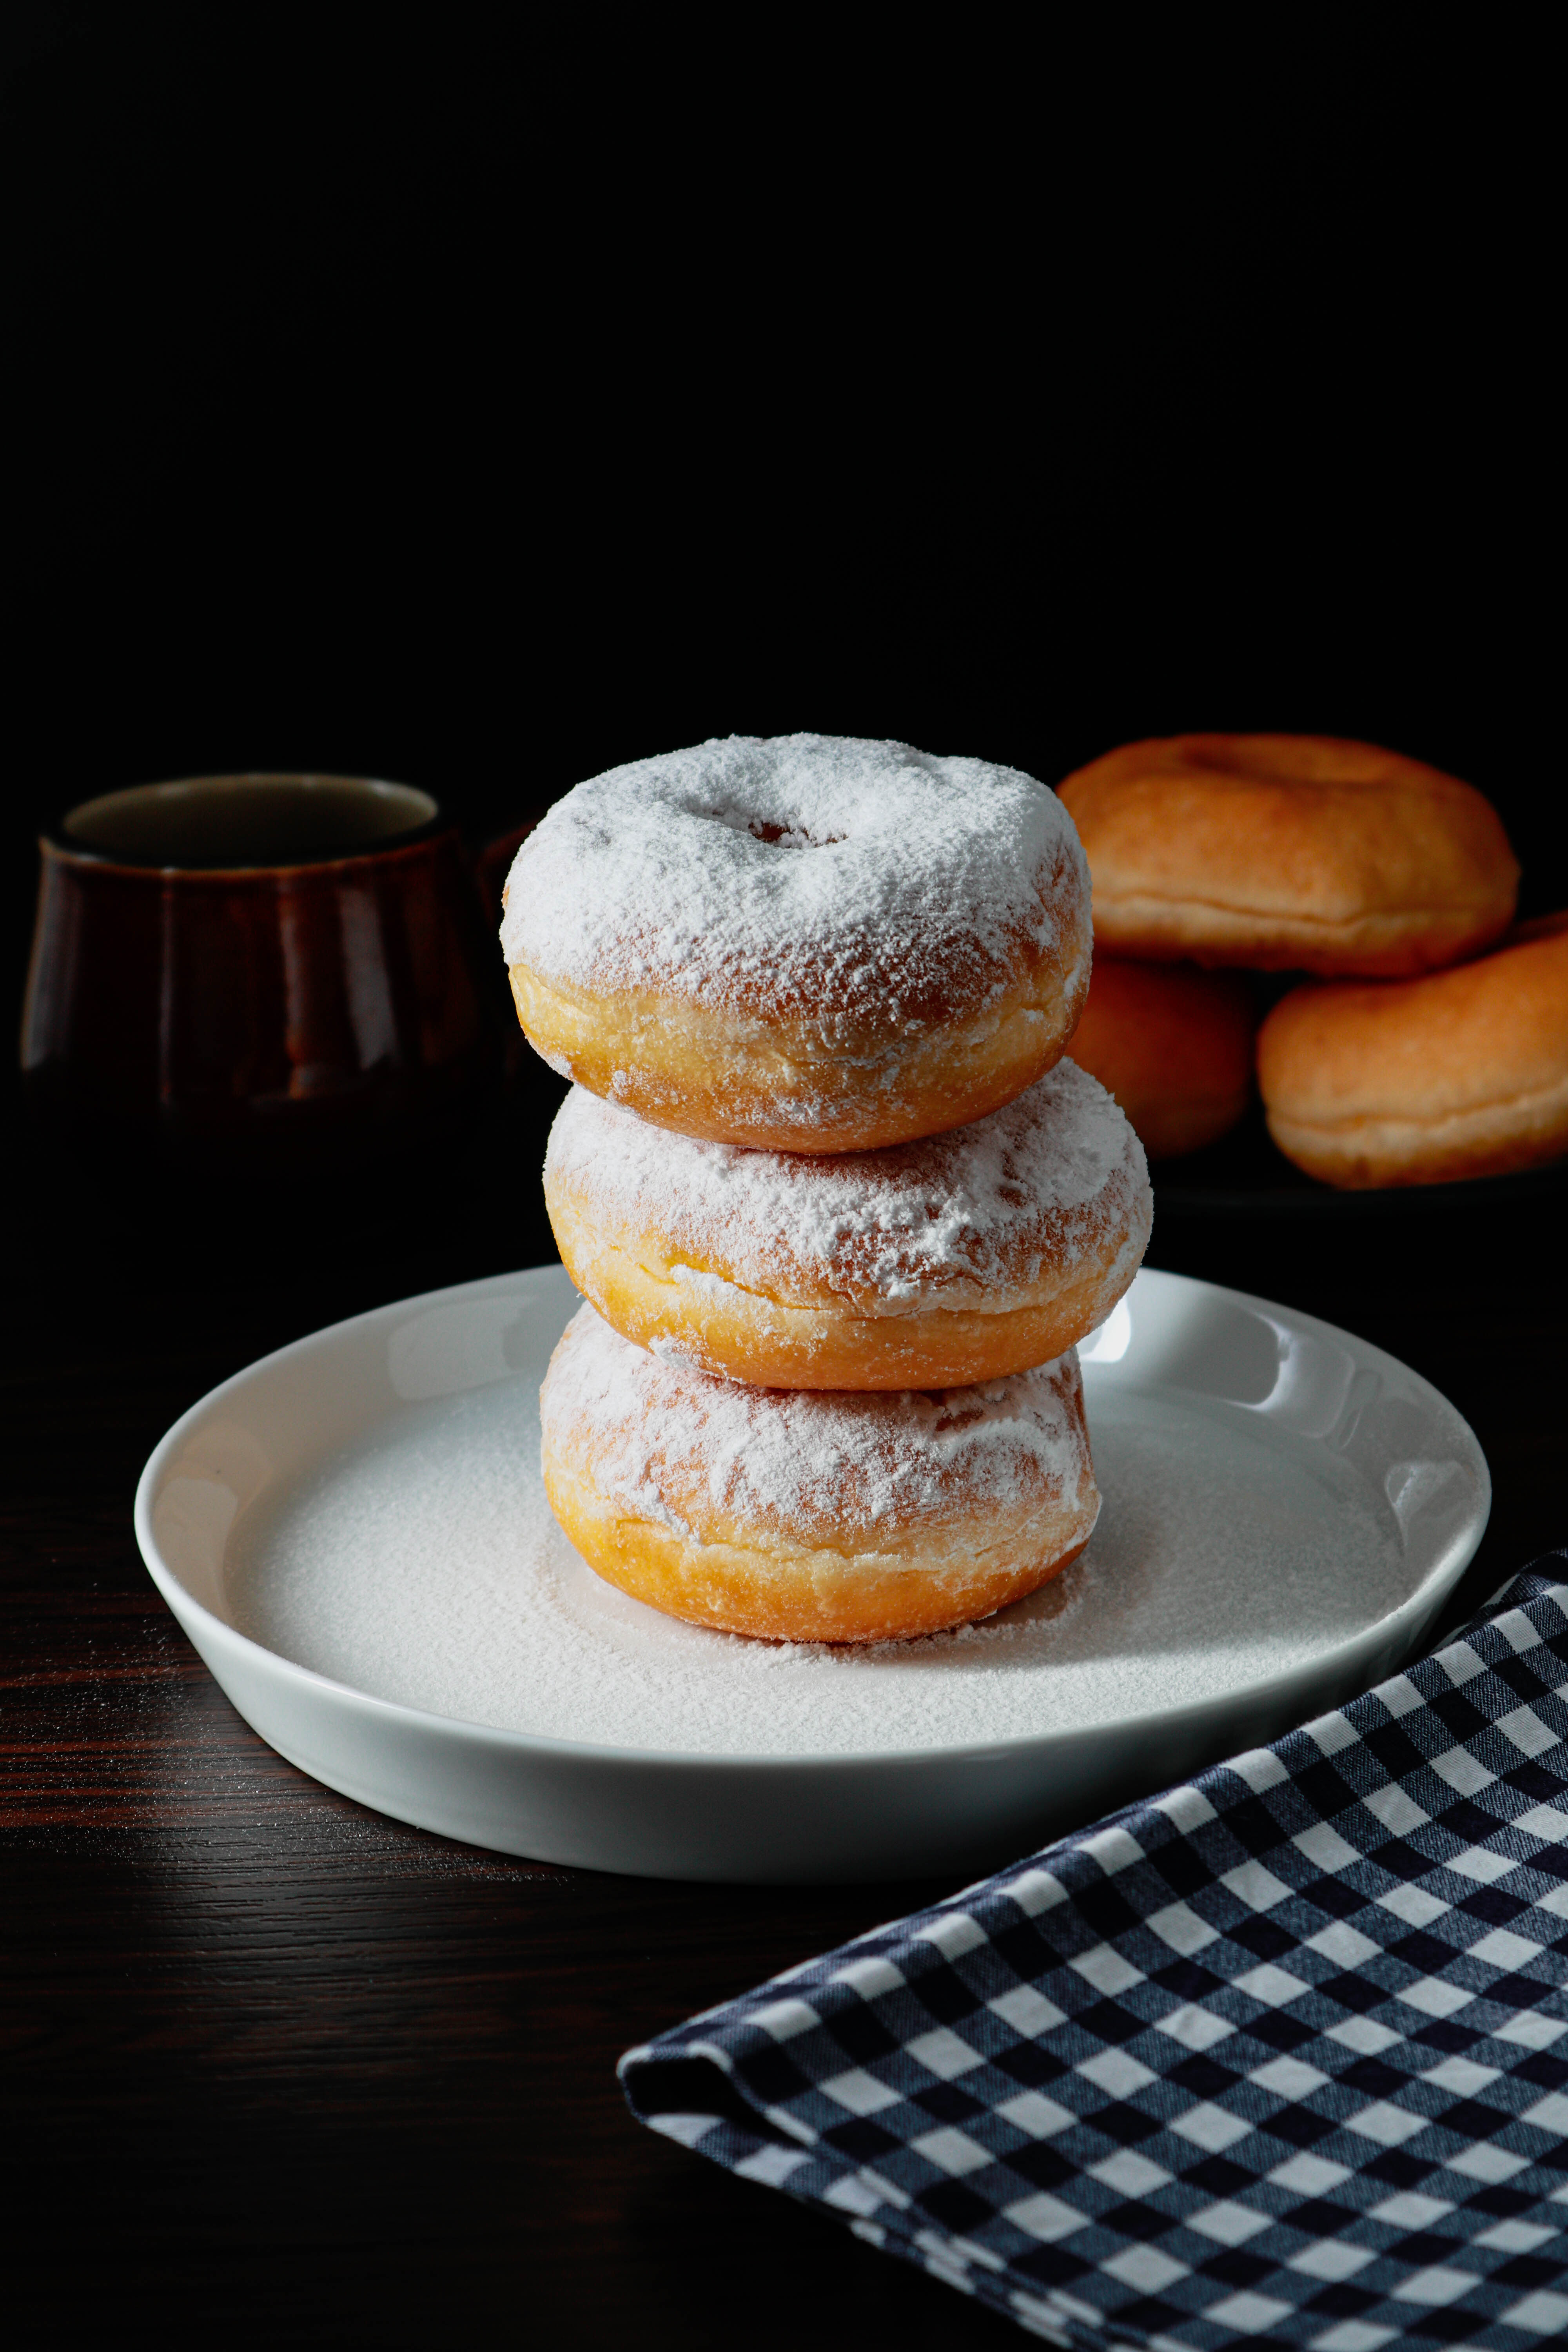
x: 259, y: 974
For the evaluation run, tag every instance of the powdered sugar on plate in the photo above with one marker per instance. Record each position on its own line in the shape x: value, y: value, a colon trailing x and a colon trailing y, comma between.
x: 867, y: 887
x: 948, y: 1221
x: 422, y: 1564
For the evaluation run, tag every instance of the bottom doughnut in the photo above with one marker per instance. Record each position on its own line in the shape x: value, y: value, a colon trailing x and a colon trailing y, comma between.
x: 812, y: 1515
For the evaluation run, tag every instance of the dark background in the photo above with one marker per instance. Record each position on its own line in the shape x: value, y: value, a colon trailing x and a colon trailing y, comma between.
x: 431, y: 396
x: 448, y: 399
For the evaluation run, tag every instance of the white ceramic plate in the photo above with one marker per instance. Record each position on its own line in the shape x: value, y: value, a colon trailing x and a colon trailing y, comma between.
x: 353, y: 1533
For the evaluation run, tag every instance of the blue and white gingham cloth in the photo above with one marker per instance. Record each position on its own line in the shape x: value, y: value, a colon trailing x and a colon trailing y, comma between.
x: 1280, y: 2057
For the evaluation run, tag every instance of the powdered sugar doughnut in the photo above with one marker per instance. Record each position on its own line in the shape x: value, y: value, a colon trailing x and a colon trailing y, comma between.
x: 812, y: 1516
x: 961, y: 1257
x: 807, y: 942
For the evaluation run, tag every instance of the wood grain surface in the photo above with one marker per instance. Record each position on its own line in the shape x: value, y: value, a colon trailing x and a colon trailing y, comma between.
x: 277, y: 2067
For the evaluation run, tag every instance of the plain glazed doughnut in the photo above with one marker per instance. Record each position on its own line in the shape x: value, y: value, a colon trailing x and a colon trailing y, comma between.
x: 1174, y: 1045
x: 805, y: 1517
x: 808, y: 943
x: 1463, y: 1073
x: 962, y: 1257
x: 1289, y: 853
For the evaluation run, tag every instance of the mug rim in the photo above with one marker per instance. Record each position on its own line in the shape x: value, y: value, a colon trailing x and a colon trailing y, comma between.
x: 55, y: 841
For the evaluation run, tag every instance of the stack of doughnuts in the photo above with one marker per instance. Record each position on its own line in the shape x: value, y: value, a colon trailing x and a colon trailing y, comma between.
x: 838, y: 1206
x: 1430, y: 1042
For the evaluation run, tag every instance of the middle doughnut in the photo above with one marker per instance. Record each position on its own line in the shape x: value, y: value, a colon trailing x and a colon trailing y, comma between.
x: 963, y: 1257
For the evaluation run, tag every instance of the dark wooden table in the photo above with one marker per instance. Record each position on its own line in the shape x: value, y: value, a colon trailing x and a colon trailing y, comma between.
x: 274, y: 2064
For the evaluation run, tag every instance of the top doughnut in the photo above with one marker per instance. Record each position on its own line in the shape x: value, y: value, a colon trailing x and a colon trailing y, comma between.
x: 1289, y: 853
x: 806, y: 942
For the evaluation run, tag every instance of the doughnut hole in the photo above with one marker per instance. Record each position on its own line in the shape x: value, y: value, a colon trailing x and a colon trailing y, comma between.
x: 787, y: 834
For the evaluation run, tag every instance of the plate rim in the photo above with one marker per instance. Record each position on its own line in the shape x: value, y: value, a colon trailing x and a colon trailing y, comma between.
x: 1425, y: 1600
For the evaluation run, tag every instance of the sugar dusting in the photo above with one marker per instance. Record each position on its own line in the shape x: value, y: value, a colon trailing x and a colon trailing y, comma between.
x: 869, y: 888
x: 1040, y: 1183
x: 423, y: 1566
x: 674, y: 1443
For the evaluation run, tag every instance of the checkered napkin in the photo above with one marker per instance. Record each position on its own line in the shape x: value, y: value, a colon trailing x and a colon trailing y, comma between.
x: 1280, y: 2057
